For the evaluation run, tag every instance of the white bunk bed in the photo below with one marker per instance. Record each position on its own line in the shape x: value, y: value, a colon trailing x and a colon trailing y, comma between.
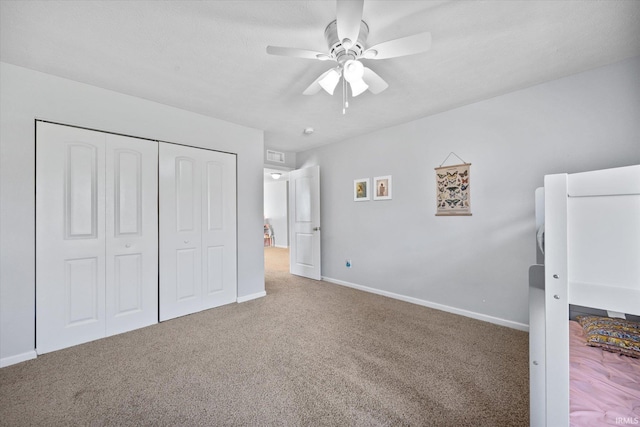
x: 591, y: 259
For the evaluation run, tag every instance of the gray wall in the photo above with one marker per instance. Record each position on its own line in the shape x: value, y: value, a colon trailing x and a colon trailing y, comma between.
x: 479, y: 263
x: 27, y: 95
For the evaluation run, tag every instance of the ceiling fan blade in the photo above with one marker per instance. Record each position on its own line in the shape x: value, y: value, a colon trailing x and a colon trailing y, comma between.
x: 375, y: 82
x: 297, y: 53
x: 327, y: 81
x: 348, y: 17
x: 411, y: 45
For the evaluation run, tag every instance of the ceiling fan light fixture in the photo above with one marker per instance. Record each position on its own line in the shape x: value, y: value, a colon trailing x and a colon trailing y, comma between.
x: 357, y: 87
x: 353, y: 70
x: 330, y: 81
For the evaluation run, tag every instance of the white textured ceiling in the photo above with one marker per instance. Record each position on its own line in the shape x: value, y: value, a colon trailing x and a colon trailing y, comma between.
x: 209, y: 56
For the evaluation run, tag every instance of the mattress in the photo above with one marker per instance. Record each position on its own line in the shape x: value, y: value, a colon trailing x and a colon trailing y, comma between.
x: 604, y: 387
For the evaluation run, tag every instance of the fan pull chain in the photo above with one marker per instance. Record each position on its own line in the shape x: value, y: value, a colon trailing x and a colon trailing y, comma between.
x: 345, y: 103
x: 346, y: 95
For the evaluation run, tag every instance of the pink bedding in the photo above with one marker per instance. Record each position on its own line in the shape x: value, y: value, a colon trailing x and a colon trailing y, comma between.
x: 604, y: 386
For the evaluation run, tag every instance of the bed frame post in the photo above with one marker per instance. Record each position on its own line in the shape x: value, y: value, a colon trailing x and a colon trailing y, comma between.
x: 537, y: 369
x: 556, y: 300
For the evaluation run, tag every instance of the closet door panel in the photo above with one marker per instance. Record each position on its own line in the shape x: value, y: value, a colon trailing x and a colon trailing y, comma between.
x: 81, y: 288
x: 214, y: 270
x: 186, y: 196
x: 180, y: 183
x: 80, y: 190
x: 219, y: 229
x: 127, y: 285
x: 187, y: 274
x: 131, y: 233
x: 70, y: 236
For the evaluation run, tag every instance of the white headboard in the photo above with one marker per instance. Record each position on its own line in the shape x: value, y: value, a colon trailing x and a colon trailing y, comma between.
x: 603, y: 232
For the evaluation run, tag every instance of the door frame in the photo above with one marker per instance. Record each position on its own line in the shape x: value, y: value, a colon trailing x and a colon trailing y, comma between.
x: 268, y: 170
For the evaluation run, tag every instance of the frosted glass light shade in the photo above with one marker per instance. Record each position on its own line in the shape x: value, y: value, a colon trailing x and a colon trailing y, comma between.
x: 353, y: 70
x: 357, y: 87
x: 330, y: 81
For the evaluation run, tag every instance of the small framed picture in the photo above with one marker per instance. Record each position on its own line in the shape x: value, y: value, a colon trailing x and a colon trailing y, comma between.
x: 382, y: 188
x: 361, y: 189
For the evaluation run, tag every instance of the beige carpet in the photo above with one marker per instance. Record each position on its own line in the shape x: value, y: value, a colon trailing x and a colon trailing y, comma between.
x: 309, y: 353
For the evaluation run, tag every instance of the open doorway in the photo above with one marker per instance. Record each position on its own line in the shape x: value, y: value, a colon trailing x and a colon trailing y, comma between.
x: 276, y: 219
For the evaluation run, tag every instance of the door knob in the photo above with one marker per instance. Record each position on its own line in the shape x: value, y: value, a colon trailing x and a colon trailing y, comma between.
x: 128, y: 245
x: 186, y: 241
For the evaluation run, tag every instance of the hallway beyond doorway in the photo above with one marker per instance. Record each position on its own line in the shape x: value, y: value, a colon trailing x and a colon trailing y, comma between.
x: 276, y: 259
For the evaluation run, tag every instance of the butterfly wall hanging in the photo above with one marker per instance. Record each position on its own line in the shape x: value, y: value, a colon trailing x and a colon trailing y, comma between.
x: 453, y: 189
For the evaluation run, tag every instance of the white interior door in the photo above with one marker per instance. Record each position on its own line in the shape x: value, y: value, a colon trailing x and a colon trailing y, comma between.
x: 96, y: 235
x: 131, y: 233
x: 304, y: 222
x: 70, y: 236
x: 197, y: 229
x: 219, y: 266
x: 180, y: 231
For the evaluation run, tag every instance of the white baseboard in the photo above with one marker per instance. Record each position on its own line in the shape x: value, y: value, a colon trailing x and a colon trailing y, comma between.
x: 281, y: 246
x: 435, y: 305
x: 251, y: 296
x: 12, y: 360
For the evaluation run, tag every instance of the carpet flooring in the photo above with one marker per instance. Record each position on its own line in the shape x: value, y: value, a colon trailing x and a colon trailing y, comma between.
x: 310, y: 353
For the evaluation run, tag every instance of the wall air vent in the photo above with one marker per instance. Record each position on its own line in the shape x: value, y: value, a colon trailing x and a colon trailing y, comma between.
x: 275, y: 156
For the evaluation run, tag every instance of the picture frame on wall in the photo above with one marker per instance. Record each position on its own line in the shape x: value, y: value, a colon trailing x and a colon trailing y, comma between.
x: 382, y: 187
x: 361, y: 190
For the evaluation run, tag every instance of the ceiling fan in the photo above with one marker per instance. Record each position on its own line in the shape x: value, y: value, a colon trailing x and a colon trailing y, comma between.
x: 346, y: 38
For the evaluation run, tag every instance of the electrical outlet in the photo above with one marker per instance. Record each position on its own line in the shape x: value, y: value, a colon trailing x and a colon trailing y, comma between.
x: 348, y: 263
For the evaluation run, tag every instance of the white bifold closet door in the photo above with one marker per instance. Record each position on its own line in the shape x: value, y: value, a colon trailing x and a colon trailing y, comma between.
x: 197, y: 229
x: 96, y: 235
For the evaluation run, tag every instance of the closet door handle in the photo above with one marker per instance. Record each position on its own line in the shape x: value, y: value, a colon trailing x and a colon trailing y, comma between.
x: 186, y: 241
x: 316, y: 228
x: 128, y: 245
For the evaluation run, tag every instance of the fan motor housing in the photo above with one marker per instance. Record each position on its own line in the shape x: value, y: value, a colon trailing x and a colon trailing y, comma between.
x: 337, y: 51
